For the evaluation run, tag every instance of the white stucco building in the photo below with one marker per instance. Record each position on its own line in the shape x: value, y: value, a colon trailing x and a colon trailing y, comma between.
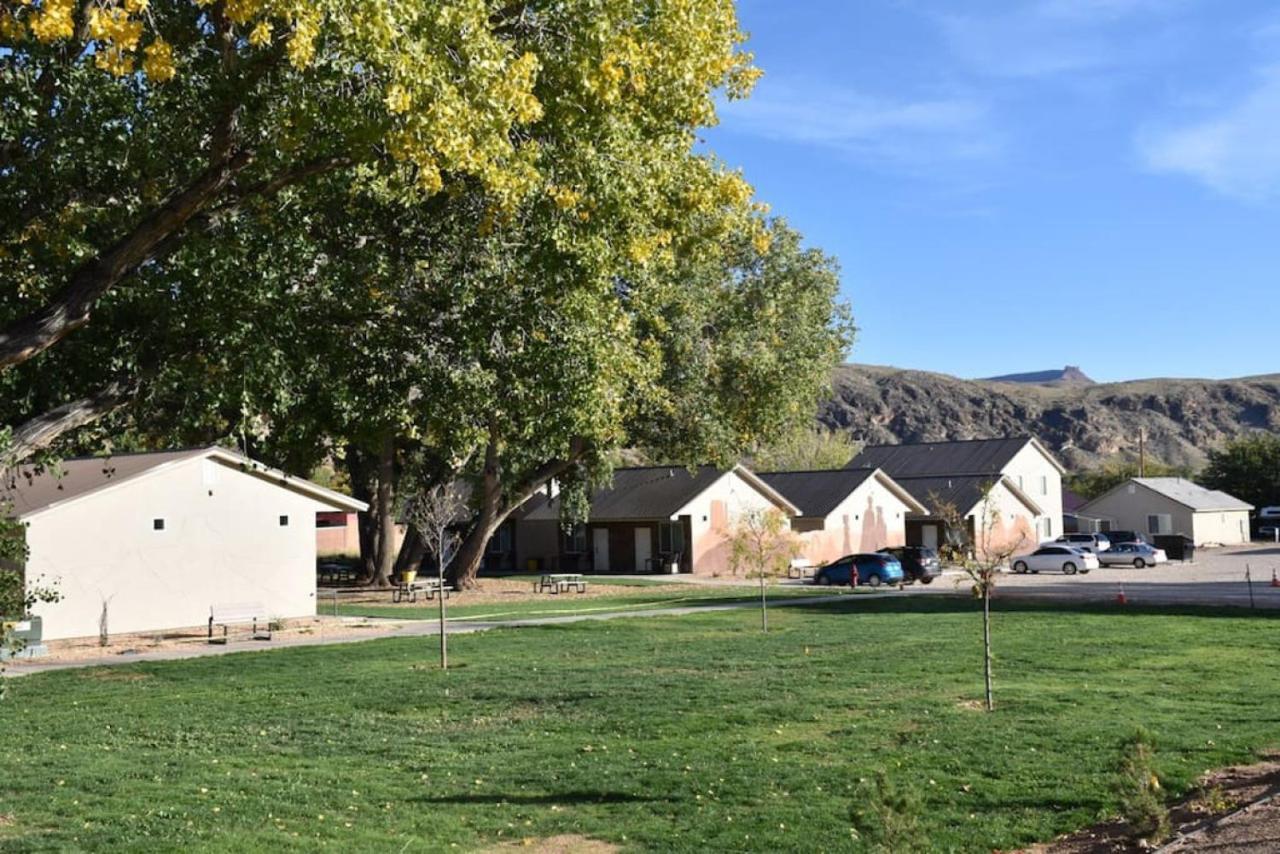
x: 149, y: 542
x: 1170, y: 505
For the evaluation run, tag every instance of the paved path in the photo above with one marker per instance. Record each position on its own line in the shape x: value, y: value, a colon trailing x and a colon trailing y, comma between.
x: 423, y: 628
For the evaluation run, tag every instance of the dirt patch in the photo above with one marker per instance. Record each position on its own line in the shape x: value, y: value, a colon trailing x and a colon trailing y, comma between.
x: 505, y: 591
x: 568, y: 843
x: 120, y: 647
x: 7, y: 819
x: 972, y: 705
x: 1220, y: 815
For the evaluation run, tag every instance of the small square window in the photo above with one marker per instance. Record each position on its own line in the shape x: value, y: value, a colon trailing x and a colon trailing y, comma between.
x: 157, y: 524
x: 284, y: 521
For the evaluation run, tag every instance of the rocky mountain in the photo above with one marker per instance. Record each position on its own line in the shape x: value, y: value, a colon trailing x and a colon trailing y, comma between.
x: 1086, y: 424
x: 1070, y: 375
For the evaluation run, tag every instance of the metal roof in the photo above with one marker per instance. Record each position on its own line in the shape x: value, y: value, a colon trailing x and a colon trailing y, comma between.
x: 33, y: 490
x: 962, y: 458
x: 1186, y: 493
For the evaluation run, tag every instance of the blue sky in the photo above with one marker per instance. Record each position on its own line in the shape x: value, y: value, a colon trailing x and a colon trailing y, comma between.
x: 1026, y: 184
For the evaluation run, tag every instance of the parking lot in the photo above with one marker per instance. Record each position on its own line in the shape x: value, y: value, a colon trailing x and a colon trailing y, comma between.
x: 1216, y: 577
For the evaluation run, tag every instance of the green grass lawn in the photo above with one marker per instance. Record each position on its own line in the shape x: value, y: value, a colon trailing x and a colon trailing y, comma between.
x: 693, y: 733
x: 629, y: 598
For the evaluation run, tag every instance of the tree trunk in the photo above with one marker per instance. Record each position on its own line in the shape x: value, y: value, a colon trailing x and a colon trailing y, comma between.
x: 986, y: 647
x: 363, y: 487
x: 384, y: 511
x: 466, y: 563
x: 764, y: 610
x: 444, y: 634
x: 496, y: 504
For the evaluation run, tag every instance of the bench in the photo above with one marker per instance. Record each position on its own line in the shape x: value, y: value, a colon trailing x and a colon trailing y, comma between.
x: 801, y: 568
x: 561, y: 583
x: 409, y: 590
x: 239, y: 614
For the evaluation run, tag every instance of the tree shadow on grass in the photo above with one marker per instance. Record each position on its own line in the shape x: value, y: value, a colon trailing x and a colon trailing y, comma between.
x: 1040, y: 603
x: 577, y: 797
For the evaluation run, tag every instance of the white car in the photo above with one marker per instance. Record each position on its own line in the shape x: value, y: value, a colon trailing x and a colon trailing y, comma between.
x: 1056, y: 559
x: 1137, y: 555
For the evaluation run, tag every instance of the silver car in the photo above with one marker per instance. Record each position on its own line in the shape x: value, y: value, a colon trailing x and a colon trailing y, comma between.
x: 1137, y: 555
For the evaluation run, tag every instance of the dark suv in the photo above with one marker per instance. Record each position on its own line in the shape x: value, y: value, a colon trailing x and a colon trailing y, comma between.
x: 919, y: 563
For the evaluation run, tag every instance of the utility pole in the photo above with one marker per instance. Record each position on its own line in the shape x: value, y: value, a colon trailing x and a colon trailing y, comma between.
x: 1142, y: 452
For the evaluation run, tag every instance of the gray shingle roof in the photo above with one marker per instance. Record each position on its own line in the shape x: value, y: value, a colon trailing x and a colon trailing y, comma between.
x: 1192, y: 495
x: 941, y: 459
x: 817, y: 493
x: 641, y: 493
x: 31, y: 490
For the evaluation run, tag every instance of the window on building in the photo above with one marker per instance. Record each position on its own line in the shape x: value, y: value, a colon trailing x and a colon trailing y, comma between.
x: 157, y: 524
x: 1044, y: 484
x: 284, y: 521
x: 1048, y: 528
x: 670, y: 537
x: 1160, y: 523
x: 500, y: 542
x: 575, y: 540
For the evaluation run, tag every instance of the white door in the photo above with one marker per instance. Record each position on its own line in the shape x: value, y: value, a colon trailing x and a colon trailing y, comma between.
x: 644, y: 548
x: 929, y: 534
x: 600, y: 549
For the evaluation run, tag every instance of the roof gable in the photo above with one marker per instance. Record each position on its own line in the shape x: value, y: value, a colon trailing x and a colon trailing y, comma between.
x: 964, y: 493
x: 32, y: 491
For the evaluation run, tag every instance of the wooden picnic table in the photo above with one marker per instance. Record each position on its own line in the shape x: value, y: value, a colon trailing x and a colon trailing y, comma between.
x: 560, y: 582
x: 410, y: 590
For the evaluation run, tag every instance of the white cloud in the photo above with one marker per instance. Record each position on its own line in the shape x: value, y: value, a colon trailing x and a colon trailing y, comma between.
x: 866, y: 126
x: 1234, y: 152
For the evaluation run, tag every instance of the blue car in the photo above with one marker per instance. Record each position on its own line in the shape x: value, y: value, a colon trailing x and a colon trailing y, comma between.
x: 872, y: 569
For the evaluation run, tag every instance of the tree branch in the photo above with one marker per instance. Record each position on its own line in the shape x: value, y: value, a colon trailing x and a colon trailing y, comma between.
x: 43, y: 430
x: 69, y: 308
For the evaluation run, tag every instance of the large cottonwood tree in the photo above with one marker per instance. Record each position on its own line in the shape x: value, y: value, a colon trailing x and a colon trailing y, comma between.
x: 131, y: 128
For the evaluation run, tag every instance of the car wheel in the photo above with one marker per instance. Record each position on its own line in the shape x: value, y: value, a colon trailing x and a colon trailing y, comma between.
x: 873, y: 581
x: 1020, y: 567
x: 824, y: 580
x: 1139, y: 563
x: 928, y: 579
x: 1069, y: 568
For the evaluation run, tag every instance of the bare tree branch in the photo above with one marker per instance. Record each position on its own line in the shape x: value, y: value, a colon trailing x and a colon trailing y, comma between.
x: 43, y: 430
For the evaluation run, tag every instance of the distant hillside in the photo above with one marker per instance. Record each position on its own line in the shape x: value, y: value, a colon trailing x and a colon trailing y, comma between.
x: 1086, y: 425
x: 1070, y: 375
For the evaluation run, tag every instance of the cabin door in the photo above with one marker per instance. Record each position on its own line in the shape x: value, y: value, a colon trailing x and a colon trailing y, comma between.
x: 929, y: 536
x: 600, y: 549
x: 644, y: 548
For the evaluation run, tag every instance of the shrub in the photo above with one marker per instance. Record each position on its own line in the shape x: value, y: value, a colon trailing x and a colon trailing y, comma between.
x: 887, y: 818
x: 1138, y: 788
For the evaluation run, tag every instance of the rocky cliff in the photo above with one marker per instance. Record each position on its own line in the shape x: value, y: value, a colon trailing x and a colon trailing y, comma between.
x: 1086, y: 424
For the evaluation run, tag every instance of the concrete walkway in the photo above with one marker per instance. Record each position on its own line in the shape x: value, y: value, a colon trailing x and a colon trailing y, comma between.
x: 423, y: 628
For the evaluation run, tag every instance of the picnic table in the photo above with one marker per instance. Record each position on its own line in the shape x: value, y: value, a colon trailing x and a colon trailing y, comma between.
x: 410, y: 589
x: 560, y: 582
x: 333, y: 572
